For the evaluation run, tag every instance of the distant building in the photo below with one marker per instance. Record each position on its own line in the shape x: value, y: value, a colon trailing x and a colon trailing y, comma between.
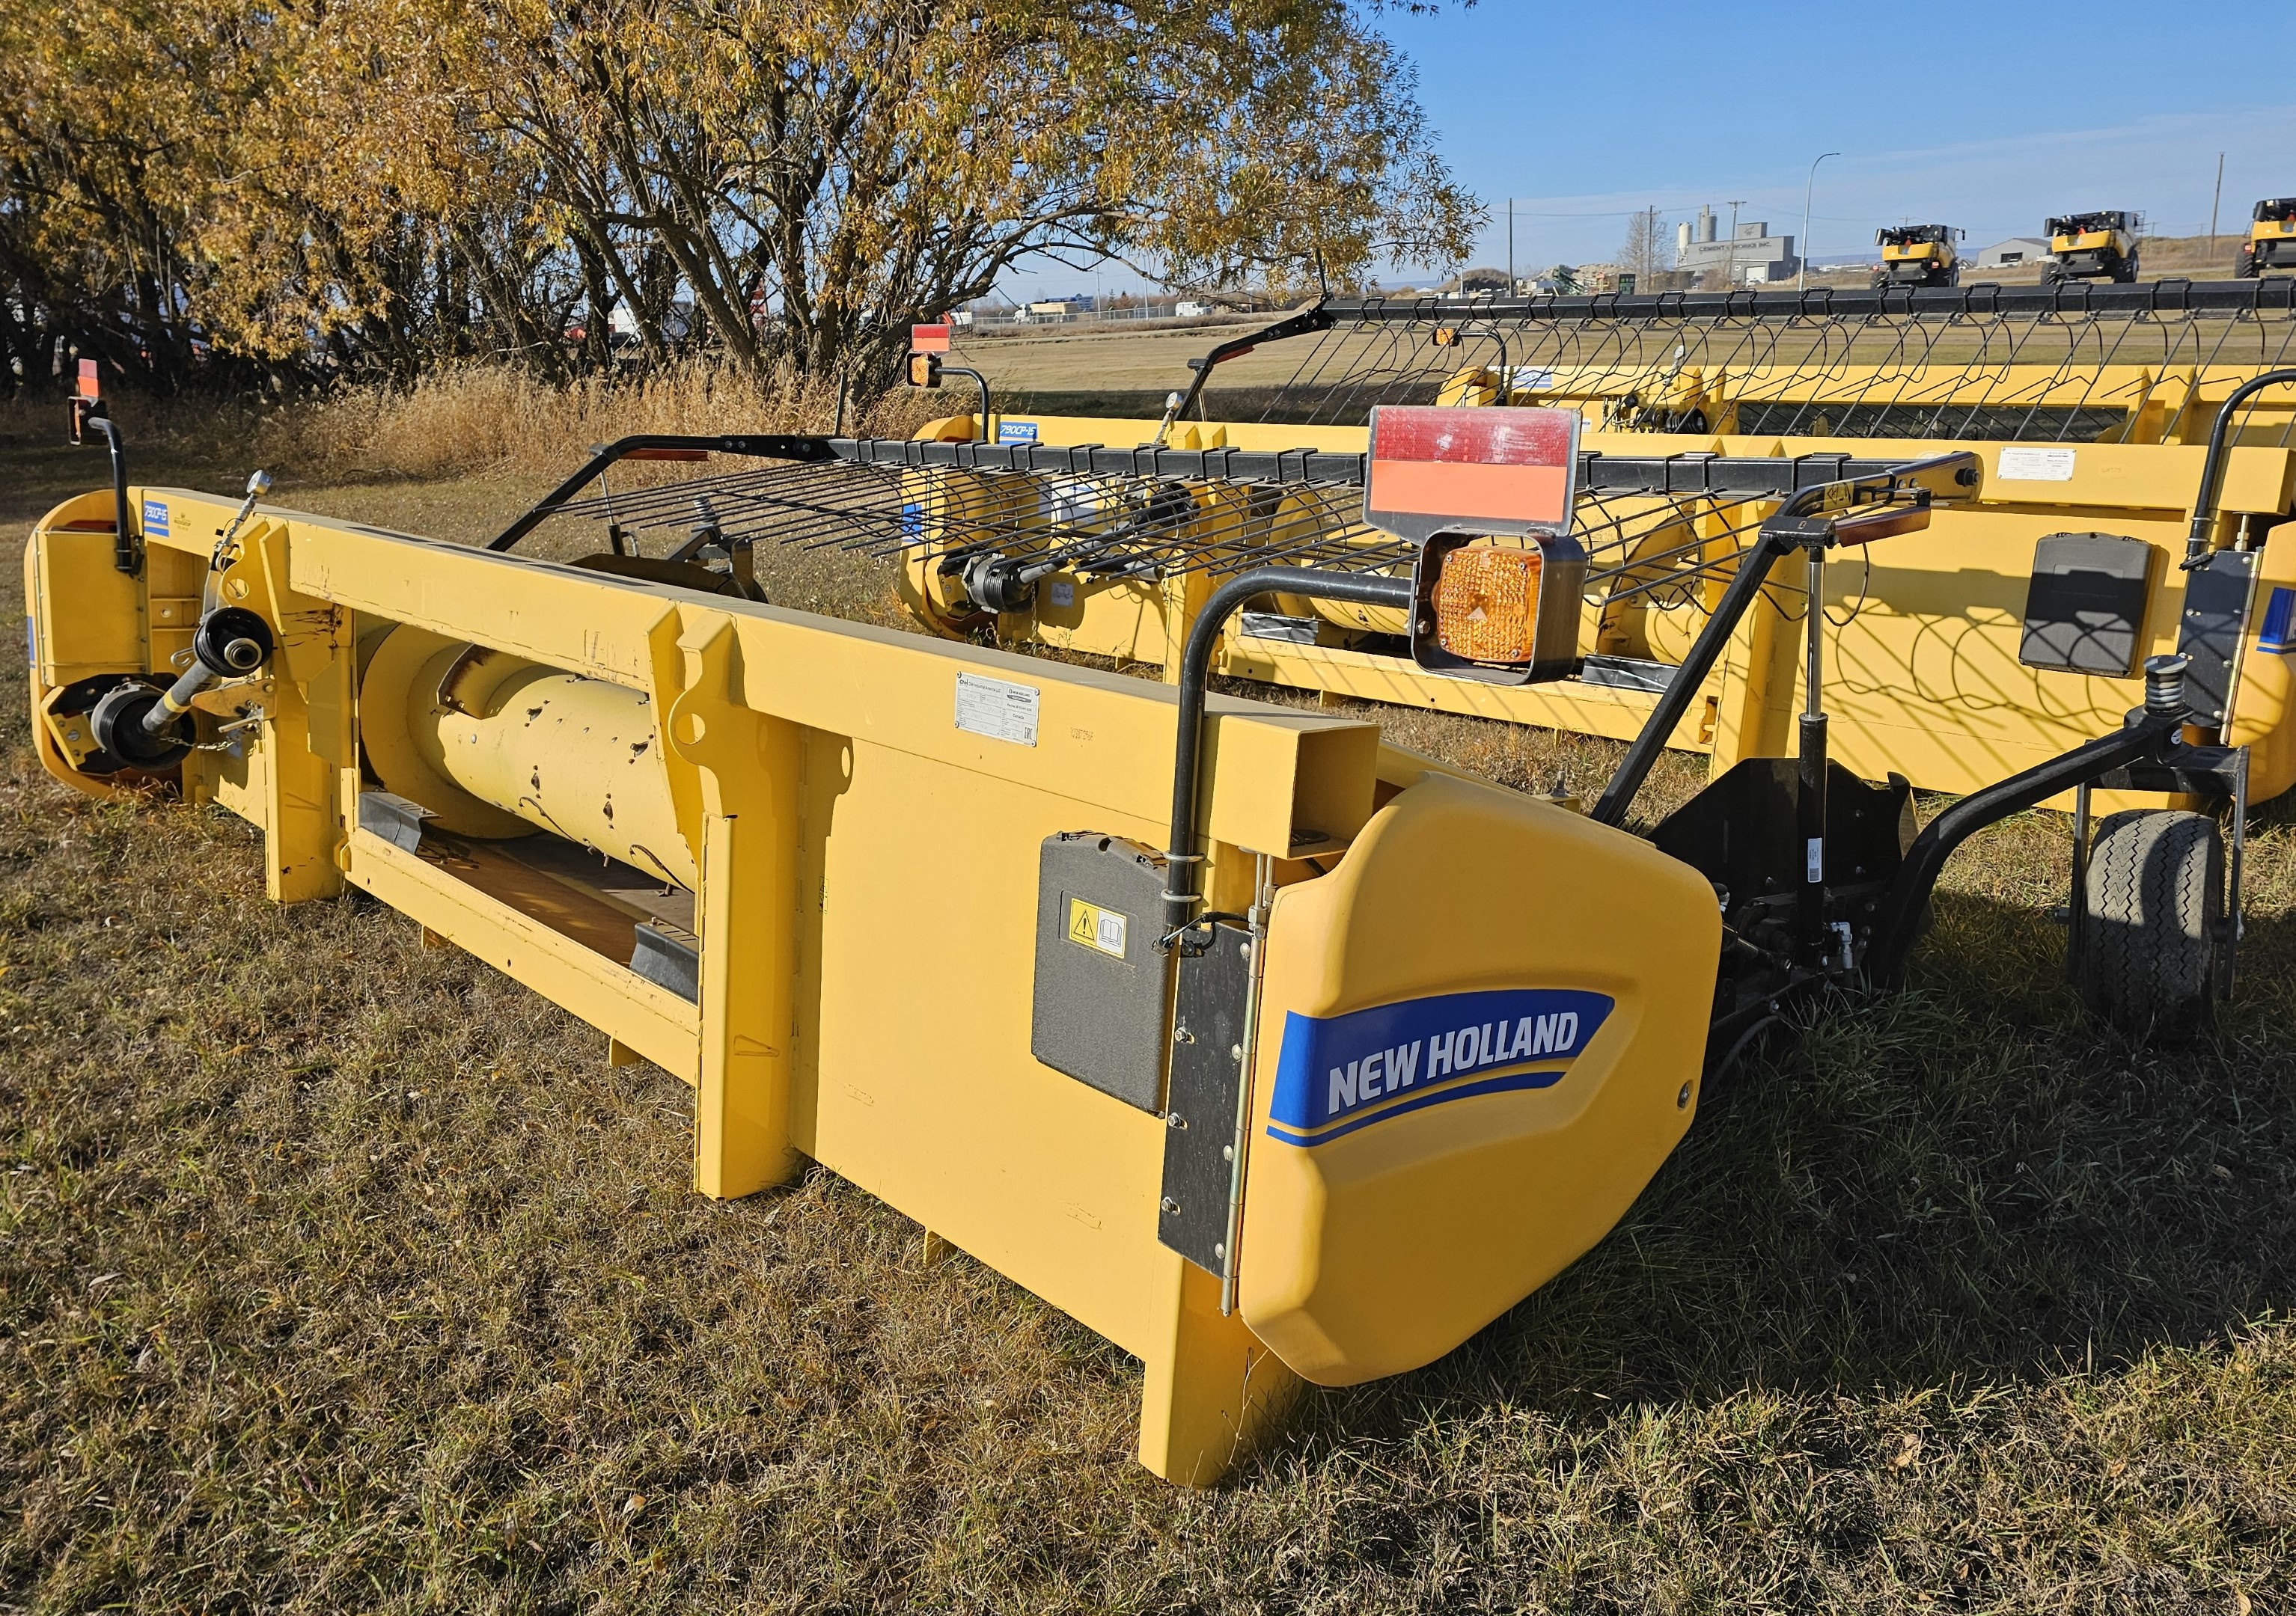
x: 1752, y: 254
x: 2016, y: 251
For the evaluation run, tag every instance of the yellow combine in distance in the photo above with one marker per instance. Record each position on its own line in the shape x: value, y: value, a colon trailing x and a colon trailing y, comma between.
x: 2101, y: 246
x: 2271, y: 243
x: 1919, y: 255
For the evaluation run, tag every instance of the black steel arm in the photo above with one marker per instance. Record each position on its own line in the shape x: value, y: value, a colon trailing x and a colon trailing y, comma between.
x: 2150, y: 732
x: 127, y: 555
x: 1298, y: 323
x: 770, y: 446
x: 1745, y: 583
x: 1182, y: 875
x: 2204, y: 507
x: 1949, y: 475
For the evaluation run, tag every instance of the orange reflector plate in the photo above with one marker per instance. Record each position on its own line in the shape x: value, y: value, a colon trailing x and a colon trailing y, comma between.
x: 929, y: 339
x: 1477, y: 471
x: 91, y: 380
x: 1487, y: 603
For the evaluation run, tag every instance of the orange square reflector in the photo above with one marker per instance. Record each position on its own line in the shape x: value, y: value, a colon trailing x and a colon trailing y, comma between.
x: 1487, y: 603
x: 929, y: 339
x: 924, y: 370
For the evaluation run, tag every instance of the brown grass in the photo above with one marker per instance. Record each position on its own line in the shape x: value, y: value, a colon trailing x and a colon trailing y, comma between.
x: 338, y: 1274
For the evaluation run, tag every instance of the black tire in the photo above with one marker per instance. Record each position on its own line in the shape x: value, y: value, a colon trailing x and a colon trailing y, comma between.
x: 2148, y: 937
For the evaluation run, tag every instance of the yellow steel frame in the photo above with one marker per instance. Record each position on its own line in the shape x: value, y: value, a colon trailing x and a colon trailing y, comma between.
x: 850, y: 837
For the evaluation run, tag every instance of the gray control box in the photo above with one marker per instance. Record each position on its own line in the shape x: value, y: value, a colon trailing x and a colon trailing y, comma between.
x: 1101, y: 1012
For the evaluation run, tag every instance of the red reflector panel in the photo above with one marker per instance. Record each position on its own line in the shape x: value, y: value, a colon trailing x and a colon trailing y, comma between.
x: 91, y: 380
x: 1478, y: 471
x: 667, y: 454
x: 929, y: 339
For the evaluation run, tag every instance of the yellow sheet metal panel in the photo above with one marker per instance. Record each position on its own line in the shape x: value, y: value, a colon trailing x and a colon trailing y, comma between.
x: 86, y: 613
x: 934, y: 1102
x: 1480, y: 1036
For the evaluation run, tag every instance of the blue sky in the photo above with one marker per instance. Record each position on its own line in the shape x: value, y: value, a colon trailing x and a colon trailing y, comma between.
x: 1987, y: 116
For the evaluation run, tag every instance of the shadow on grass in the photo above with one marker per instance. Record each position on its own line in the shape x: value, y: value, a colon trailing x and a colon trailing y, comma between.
x: 1967, y: 1182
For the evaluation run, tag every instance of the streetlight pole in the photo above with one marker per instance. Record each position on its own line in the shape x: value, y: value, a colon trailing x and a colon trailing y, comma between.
x: 1730, y: 269
x: 1801, y: 274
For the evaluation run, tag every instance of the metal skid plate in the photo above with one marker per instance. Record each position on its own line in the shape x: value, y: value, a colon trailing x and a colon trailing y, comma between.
x: 1209, y: 1038
x: 1100, y: 993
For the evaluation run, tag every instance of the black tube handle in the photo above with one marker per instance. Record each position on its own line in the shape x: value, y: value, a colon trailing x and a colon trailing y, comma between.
x: 1182, y: 876
x: 1898, y: 923
x: 2212, y: 468
x: 127, y: 554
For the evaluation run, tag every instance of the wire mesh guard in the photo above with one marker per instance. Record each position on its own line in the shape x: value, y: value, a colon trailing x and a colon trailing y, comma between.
x: 2075, y: 363
x: 1003, y: 518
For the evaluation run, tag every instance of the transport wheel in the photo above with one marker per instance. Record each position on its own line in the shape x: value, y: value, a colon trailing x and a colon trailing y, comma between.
x: 2148, y: 939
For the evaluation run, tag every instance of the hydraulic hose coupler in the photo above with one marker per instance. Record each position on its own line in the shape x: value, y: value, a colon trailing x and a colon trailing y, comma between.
x: 2164, y: 686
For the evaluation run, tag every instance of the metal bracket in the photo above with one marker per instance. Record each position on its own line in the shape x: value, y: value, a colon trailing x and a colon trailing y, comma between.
x: 1210, y: 1040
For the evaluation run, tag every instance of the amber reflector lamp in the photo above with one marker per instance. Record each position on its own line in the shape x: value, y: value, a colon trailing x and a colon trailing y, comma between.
x: 1487, y: 603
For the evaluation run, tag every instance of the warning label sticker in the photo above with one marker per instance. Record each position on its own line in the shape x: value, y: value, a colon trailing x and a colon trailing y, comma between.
x: 998, y: 708
x: 1097, y: 928
x: 2025, y: 464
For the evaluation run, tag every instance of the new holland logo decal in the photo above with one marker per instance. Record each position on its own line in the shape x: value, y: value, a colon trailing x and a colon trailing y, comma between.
x: 1341, y: 1073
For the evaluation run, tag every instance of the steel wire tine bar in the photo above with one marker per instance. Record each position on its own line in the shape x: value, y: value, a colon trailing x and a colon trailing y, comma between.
x: 789, y: 518
x: 1225, y: 535
x: 1663, y: 558
x: 634, y: 502
x: 672, y: 509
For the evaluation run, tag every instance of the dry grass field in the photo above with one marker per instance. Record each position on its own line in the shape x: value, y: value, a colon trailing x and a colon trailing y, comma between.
x: 338, y: 1274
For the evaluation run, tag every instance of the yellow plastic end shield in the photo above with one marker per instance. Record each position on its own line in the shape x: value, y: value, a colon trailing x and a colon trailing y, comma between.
x: 1476, y: 1045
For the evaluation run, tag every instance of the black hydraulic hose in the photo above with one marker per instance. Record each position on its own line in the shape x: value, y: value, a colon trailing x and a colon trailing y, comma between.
x: 1745, y: 583
x: 2204, y: 508
x: 1181, y: 874
x: 126, y: 554
x: 2150, y: 729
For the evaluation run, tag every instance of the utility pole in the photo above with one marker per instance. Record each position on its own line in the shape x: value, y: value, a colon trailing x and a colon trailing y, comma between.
x: 1801, y: 265
x: 2214, y: 205
x: 1510, y: 247
x: 1730, y: 263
